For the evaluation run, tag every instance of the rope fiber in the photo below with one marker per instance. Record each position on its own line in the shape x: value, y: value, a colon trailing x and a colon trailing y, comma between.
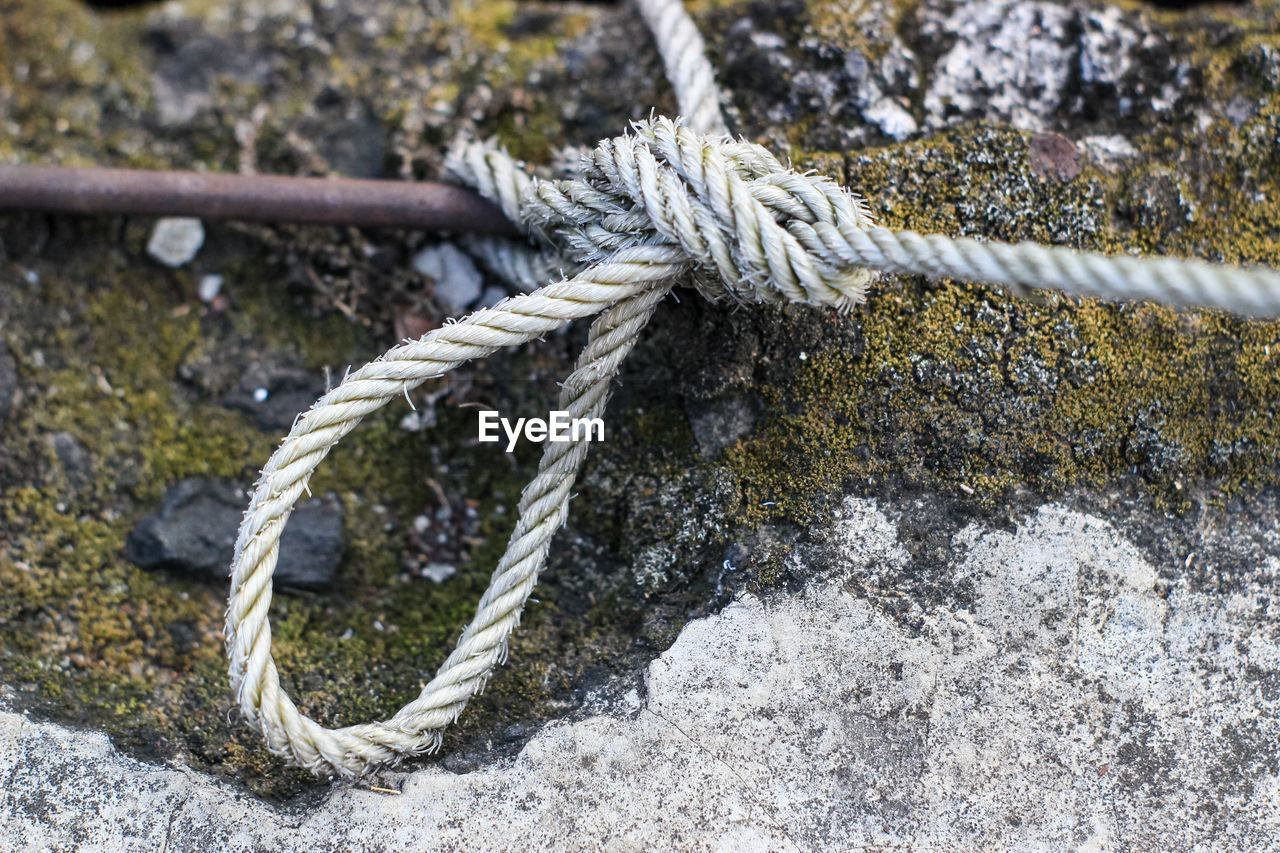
x: 667, y: 203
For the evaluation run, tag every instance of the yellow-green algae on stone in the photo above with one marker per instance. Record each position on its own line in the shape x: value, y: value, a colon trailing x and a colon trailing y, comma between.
x: 962, y: 388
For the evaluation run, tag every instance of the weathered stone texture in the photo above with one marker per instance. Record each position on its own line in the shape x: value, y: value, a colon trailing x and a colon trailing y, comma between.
x: 1068, y: 700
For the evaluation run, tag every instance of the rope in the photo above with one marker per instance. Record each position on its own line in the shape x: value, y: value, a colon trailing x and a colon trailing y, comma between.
x: 684, y: 55
x: 492, y: 172
x: 415, y: 729
x: 667, y: 203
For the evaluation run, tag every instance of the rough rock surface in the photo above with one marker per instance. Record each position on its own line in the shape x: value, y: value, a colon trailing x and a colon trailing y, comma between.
x: 195, y: 532
x: 1066, y: 700
x: 1028, y: 64
x: 73, y: 457
x: 274, y: 395
x: 718, y: 424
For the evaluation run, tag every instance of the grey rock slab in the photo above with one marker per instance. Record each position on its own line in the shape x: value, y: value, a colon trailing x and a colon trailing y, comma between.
x: 1074, y: 702
x: 195, y: 532
x: 274, y: 395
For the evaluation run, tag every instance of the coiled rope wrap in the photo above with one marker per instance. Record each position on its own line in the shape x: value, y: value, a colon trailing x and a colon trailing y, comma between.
x: 664, y: 204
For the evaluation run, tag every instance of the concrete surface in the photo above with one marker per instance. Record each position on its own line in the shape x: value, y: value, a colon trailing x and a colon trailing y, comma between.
x: 1076, y: 702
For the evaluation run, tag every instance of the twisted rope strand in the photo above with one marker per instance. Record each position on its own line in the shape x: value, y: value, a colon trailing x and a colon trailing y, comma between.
x: 1249, y: 291
x: 493, y: 173
x: 646, y: 210
x: 684, y: 55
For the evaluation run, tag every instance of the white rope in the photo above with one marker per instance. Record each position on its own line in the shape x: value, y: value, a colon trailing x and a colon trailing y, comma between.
x: 647, y: 210
x: 495, y: 175
x: 684, y: 55
x: 640, y: 272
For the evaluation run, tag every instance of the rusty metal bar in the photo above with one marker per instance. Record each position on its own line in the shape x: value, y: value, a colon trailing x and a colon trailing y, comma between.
x: 258, y: 198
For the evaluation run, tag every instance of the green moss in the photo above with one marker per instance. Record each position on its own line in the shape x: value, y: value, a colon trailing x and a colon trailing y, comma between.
x: 72, y: 82
x: 506, y: 42
x: 833, y: 23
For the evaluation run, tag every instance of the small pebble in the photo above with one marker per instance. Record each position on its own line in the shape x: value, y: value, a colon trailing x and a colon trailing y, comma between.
x: 176, y: 240
x: 209, y: 288
x: 196, y: 527
x: 1054, y: 156
x: 457, y: 280
x: 439, y: 572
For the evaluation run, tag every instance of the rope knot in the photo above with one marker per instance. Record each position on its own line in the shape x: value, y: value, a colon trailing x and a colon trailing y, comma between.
x: 752, y: 228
